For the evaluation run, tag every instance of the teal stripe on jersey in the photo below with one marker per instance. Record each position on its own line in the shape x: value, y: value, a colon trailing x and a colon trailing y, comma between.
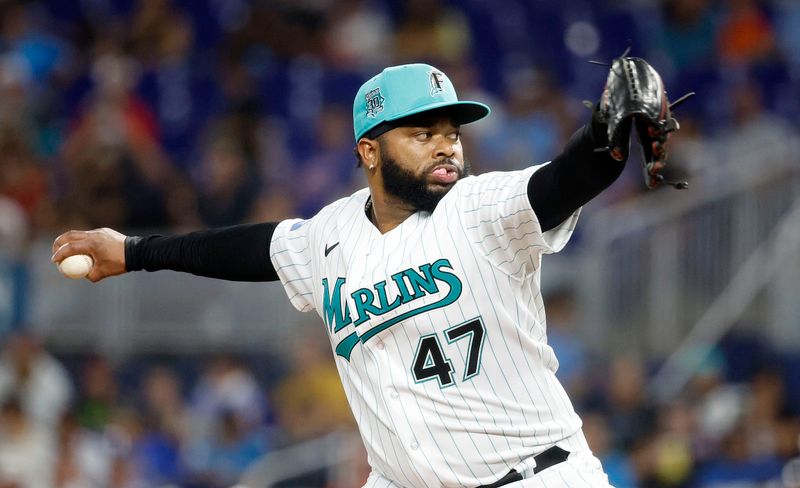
x: 484, y: 191
x: 299, y: 279
x: 288, y: 266
x: 514, y: 256
x: 505, y: 229
x: 502, y: 217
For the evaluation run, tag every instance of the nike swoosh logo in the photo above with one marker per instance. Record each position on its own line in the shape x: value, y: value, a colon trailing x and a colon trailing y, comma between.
x: 329, y: 249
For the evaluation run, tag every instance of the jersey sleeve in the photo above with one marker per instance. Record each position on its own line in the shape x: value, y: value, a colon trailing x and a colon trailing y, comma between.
x: 290, y: 252
x: 498, y: 219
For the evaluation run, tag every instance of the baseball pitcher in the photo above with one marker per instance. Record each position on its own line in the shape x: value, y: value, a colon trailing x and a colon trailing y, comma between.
x: 427, y: 281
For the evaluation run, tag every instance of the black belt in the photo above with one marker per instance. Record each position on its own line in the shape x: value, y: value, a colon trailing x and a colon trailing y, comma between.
x: 544, y: 460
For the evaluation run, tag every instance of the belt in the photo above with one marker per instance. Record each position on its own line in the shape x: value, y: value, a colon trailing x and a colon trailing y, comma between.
x: 544, y: 460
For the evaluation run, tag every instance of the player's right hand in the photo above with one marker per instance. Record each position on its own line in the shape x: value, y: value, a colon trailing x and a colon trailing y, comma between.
x: 105, y: 246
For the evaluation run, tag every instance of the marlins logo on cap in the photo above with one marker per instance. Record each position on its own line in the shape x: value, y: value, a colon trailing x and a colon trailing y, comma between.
x: 436, y: 82
x: 400, y: 91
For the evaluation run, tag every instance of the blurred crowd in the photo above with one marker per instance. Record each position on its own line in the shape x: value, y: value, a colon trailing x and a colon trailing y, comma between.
x: 736, y: 424
x: 144, y: 114
x: 85, y: 421
x: 180, y: 113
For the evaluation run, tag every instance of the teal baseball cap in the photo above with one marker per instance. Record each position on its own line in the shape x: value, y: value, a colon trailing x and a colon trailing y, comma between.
x: 409, y: 89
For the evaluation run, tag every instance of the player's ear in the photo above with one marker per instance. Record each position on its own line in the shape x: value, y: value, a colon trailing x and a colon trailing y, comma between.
x: 368, y: 152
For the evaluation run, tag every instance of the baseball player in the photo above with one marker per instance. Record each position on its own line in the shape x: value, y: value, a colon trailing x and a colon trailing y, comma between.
x: 427, y: 283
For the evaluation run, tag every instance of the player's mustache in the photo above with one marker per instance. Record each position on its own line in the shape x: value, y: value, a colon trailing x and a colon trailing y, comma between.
x: 450, y: 161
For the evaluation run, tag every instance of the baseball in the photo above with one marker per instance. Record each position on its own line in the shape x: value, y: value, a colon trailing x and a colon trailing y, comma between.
x: 76, y: 266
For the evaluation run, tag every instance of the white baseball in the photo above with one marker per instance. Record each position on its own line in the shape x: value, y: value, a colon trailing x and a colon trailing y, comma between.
x: 76, y: 266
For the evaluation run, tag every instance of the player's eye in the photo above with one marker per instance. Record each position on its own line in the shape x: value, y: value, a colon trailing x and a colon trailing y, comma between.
x: 455, y: 136
x: 422, y: 135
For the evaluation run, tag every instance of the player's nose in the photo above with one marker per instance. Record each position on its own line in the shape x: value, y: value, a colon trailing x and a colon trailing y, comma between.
x: 445, y: 148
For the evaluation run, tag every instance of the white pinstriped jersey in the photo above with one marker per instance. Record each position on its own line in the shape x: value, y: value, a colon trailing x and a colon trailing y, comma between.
x: 438, y: 328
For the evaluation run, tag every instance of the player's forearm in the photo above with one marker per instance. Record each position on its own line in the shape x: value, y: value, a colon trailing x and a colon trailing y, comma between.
x: 238, y: 253
x: 574, y: 177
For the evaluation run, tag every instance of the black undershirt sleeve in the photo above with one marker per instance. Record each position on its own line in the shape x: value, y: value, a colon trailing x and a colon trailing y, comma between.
x: 574, y: 177
x: 237, y: 253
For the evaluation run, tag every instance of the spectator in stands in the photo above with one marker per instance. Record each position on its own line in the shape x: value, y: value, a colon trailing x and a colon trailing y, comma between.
x: 562, y: 336
x: 14, y: 231
x: 145, y: 455
x: 226, y: 385
x: 163, y: 403
x: 735, y: 464
x: 23, y: 178
x: 673, y: 445
x: 331, y: 174
x: 175, y: 79
x: 228, y: 415
x: 430, y: 31
x: 118, y: 173
x: 84, y: 456
x: 689, y: 30
x: 358, y: 36
x: 25, y: 37
x: 309, y: 401
x: 745, y: 35
x: 27, y: 454
x: 152, y: 22
x: 231, y: 450
x: 693, y: 155
x: 37, y: 381
x: 98, y: 394
x: 616, y: 463
x: 762, y: 416
x: 229, y: 184
x: 261, y: 138
x: 787, y: 25
x: 630, y: 414
x: 537, y: 114
x: 756, y: 138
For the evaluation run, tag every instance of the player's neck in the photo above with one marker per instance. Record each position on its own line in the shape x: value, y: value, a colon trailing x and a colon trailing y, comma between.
x: 387, y: 212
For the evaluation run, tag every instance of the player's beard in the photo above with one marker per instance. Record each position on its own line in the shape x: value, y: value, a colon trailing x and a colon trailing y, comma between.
x: 412, y: 188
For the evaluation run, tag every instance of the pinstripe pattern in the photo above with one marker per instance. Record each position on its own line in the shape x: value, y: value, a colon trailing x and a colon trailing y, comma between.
x: 421, y: 433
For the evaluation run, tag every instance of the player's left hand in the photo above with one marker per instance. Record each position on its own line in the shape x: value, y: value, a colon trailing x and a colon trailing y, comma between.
x: 105, y: 246
x: 634, y: 95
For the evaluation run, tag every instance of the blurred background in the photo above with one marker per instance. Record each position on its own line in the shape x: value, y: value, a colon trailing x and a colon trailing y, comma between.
x: 675, y: 315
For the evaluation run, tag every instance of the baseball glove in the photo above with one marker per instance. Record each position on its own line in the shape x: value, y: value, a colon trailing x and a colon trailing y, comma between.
x: 634, y: 95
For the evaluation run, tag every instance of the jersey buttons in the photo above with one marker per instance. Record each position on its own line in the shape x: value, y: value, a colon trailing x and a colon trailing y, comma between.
x: 380, y: 345
x: 393, y: 393
x: 414, y: 445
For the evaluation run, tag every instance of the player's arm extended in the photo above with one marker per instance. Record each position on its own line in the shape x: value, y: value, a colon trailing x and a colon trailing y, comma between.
x: 238, y: 253
x: 574, y: 177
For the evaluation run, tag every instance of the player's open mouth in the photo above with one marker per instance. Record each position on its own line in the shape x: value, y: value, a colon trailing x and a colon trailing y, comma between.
x: 444, y: 174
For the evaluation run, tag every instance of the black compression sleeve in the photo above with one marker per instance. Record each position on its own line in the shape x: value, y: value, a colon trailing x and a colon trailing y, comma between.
x: 238, y: 253
x: 574, y: 177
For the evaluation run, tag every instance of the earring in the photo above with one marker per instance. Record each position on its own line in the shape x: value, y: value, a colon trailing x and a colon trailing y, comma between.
x: 371, y: 167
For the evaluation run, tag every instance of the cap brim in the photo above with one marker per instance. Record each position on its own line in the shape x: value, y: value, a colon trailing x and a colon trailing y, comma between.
x: 461, y: 113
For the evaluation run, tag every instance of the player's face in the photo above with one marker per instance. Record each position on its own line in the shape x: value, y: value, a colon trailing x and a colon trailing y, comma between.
x: 422, y: 161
